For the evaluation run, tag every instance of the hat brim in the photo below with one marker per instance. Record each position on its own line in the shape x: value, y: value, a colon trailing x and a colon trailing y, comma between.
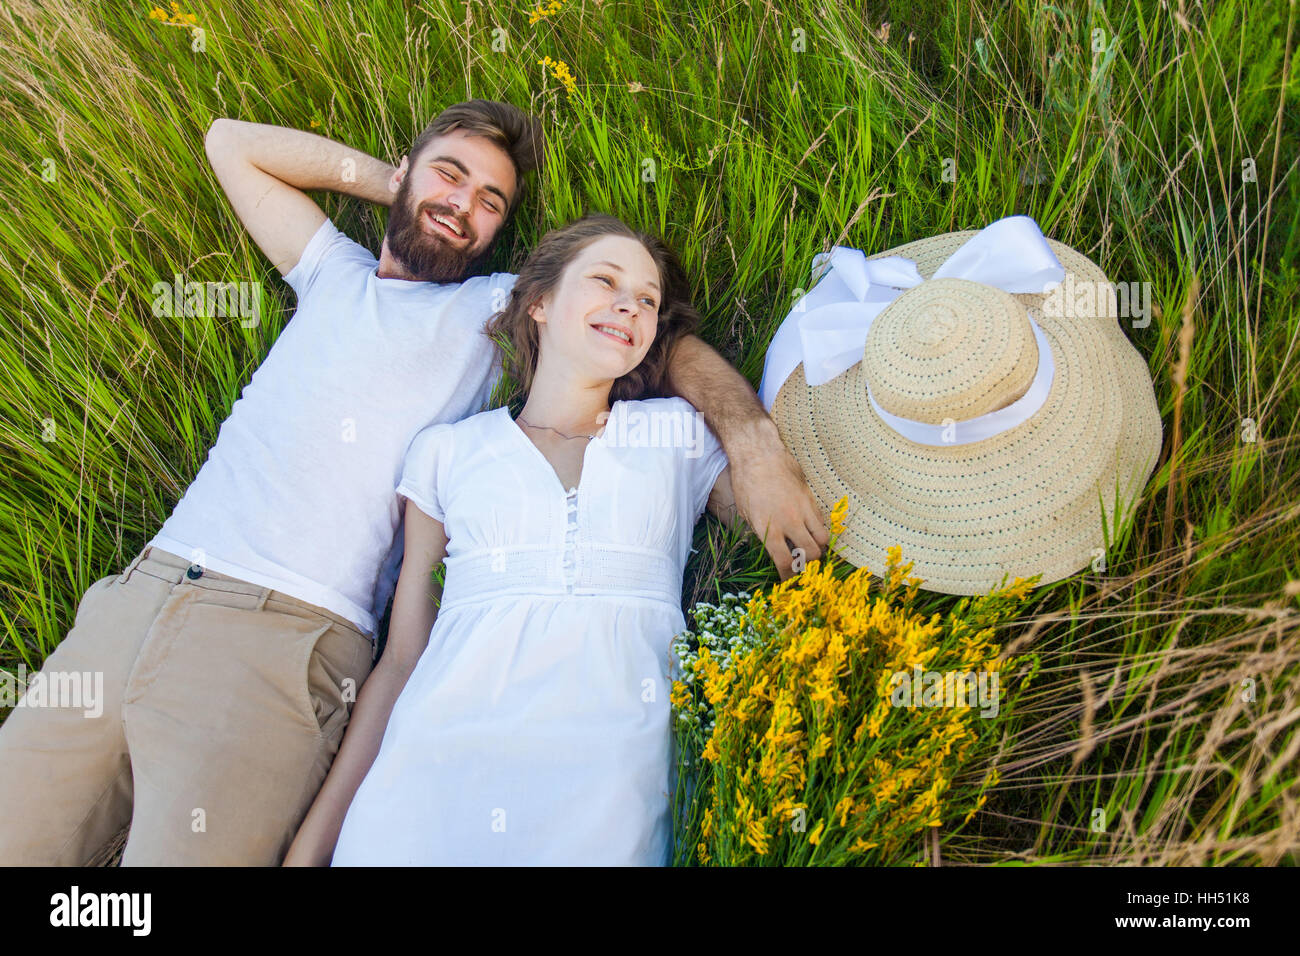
x: 1031, y: 500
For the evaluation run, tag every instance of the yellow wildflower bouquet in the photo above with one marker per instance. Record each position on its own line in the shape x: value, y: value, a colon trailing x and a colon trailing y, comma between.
x: 827, y: 722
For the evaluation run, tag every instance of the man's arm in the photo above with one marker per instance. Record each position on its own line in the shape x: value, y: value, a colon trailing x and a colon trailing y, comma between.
x: 264, y: 171
x: 769, y: 488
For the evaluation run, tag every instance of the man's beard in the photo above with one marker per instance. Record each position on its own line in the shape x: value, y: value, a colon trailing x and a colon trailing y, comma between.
x: 426, y: 255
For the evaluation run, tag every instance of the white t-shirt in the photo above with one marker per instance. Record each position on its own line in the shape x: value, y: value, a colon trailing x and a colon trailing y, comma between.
x: 298, y: 494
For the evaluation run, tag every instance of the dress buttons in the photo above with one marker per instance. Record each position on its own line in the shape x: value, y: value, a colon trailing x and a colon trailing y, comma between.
x: 570, y: 533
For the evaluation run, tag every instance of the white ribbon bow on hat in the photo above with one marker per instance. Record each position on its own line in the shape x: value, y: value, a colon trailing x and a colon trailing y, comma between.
x: 827, y: 329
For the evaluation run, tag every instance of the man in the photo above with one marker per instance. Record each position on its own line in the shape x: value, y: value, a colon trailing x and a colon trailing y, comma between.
x: 233, y: 645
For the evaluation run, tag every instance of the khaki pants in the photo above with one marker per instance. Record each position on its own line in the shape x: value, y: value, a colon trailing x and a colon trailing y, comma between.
x: 223, y: 706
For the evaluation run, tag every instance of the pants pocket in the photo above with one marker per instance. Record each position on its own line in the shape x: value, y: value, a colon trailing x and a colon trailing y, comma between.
x: 335, y: 665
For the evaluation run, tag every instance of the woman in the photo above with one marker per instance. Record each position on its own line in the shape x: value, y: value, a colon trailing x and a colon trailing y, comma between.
x: 524, y: 719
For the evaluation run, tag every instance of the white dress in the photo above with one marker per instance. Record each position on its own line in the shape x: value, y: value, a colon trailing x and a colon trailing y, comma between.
x: 535, y: 729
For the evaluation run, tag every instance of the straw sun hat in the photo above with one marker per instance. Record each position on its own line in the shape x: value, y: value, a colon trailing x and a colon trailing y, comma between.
x: 973, y: 412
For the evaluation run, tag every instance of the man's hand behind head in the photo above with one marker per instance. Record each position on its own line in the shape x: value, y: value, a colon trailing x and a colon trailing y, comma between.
x: 265, y: 170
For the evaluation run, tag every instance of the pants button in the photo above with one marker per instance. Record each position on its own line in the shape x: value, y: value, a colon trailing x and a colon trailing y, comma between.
x: 193, y: 573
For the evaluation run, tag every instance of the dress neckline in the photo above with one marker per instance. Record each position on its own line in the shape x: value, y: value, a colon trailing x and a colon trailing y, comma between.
x: 542, y: 459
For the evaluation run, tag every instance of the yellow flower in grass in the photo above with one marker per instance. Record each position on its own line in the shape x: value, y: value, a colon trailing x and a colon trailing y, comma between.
x: 783, y: 809
x: 990, y: 779
x: 873, y: 723
x: 744, y: 808
x: 710, y: 751
x: 1018, y: 589
x: 743, y: 708
x: 717, y: 682
x: 806, y: 647
x: 560, y: 70
x: 778, y: 767
x: 837, y: 656
x: 679, y: 696
x: 756, y: 836
x: 823, y: 693
x: 837, y: 515
x: 975, y: 809
x: 842, y: 808
x: 542, y: 12
x: 927, y: 804
x: 820, y: 747
x: 820, y: 691
x: 174, y: 19
x: 781, y: 728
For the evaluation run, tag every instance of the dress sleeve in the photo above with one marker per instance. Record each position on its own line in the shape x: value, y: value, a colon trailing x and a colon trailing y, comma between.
x: 425, y: 468
x: 707, y: 463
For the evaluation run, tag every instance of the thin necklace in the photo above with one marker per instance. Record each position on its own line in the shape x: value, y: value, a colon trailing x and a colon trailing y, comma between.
x: 556, y: 430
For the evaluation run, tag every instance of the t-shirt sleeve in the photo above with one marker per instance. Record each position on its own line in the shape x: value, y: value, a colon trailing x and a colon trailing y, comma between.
x: 425, y: 469
x: 327, y: 245
x: 708, y: 462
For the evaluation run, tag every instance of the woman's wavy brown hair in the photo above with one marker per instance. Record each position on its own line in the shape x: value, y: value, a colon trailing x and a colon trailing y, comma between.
x: 516, y: 332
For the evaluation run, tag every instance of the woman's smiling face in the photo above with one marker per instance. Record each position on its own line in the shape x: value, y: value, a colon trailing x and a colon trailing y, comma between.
x: 604, y: 311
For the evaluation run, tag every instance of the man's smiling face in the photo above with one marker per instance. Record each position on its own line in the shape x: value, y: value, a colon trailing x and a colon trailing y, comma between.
x: 450, y: 205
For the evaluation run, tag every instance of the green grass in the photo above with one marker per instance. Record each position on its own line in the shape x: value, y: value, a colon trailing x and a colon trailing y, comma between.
x: 1125, y: 129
